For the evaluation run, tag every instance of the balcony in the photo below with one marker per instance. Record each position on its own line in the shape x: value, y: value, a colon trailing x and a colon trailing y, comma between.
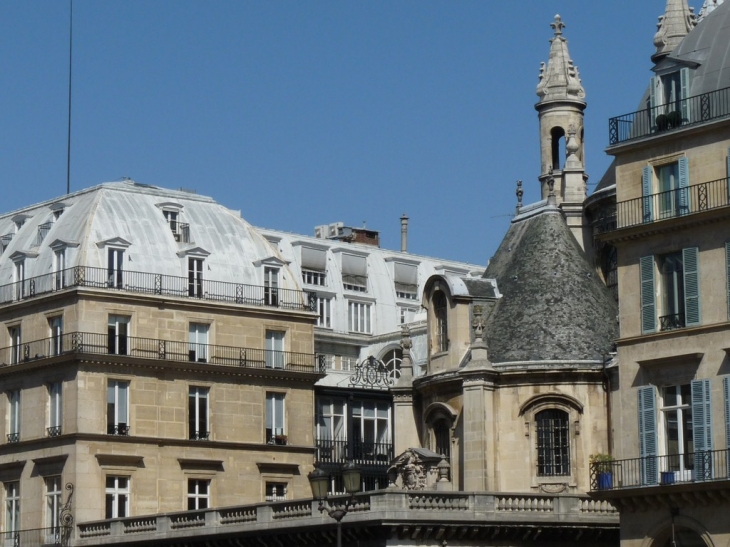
x: 681, y: 202
x: 361, y: 452
x: 157, y: 284
x: 668, y: 117
x: 693, y: 468
x: 155, y: 349
x: 58, y: 535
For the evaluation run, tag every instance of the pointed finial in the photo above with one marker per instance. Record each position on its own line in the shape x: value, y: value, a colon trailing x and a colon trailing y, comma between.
x: 558, y: 25
x: 519, y: 193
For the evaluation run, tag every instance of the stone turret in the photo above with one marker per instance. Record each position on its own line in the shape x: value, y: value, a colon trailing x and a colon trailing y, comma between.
x: 560, y: 112
x: 675, y: 24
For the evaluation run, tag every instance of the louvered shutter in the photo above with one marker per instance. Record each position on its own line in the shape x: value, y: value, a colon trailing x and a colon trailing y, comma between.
x: 646, y: 187
x: 726, y: 393
x: 648, y: 307
x: 702, y: 429
x: 684, y: 95
x: 728, y: 174
x: 690, y: 264
x: 683, y: 190
x: 647, y: 435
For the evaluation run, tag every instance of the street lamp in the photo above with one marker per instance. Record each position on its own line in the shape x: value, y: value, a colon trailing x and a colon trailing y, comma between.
x: 319, y: 481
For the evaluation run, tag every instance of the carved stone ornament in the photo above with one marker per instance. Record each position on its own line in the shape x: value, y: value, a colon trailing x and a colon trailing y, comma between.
x: 410, y: 469
x: 519, y: 193
x: 478, y: 323
x: 556, y: 488
x: 405, y: 338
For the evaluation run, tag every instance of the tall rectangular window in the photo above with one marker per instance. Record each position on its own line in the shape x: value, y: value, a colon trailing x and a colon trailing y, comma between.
x: 359, y: 317
x: 12, y: 506
x: 198, y: 339
x: 118, y: 334
x: 117, y: 408
x: 55, y: 326
x: 115, y: 268
x: 117, y: 497
x: 354, y: 273
x: 275, y: 349
x: 314, y: 266
x: 195, y: 277
x: 15, y: 344
x: 19, y: 279
x: 171, y: 218
x: 331, y: 429
x: 553, y: 443
x: 59, y: 267
x: 198, y: 494
x: 676, y: 415
x: 324, y: 309
x: 275, y: 432
x: 55, y: 405
x: 13, y: 415
x: 199, y: 427
x: 371, y: 430
x: 271, y: 286
x: 53, y: 502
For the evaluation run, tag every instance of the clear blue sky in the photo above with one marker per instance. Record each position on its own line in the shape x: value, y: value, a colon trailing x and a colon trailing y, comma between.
x: 306, y: 113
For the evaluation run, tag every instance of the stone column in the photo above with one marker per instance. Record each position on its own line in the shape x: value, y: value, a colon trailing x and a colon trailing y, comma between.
x: 404, y: 419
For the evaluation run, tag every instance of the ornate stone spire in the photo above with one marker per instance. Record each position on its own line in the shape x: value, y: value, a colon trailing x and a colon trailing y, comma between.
x: 677, y: 21
x: 559, y: 80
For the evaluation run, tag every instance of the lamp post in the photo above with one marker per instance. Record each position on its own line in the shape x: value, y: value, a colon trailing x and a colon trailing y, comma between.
x: 319, y: 481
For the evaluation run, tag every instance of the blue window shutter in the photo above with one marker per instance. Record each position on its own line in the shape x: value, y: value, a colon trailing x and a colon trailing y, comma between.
x: 647, y: 177
x: 702, y: 428
x: 647, y: 434
x: 648, y: 307
x: 684, y: 94
x: 683, y: 191
x: 728, y: 174
x: 690, y: 263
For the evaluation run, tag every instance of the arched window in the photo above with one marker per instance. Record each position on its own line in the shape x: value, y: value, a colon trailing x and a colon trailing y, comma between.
x: 557, y: 135
x: 553, y: 443
x: 684, y: 537
x: 442, y: 438
x: 440, y: 307
x: 392, y: 360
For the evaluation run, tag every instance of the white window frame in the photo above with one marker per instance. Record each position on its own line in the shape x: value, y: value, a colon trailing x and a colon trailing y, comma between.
x: 314, y: 277
x: 12, y: 506
x: 275, y: 357
x: 359, y: 317
x: 14, y: 415
x: 199, y: 498
x: 682, y: 408
x: 55, y: 325
x: 271, y: 286
x: 55, y: 409
x: 118, y: 407
x: 276, y: 491
x: 199, y: 412
x: 382, y: 438
x: 16, y: 344
x: 196, y: 265
x: 324, y: 311
x: 275, y: 416
x: 53, y: 501
x: 59, y: 268
x: 19, y: 278
x: 117, y: 496
x: 198, y: 336
x: 406, y: 314
x: 115, y: 267
x: 118, y: 327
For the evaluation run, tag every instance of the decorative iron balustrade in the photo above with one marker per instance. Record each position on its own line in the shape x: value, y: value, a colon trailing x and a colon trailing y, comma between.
x: 36, y: 537
x: 671, y: 322
x: 690, y: 200
x: 666, y: 117
x: 151, y: 348
x: 181, y: 231
x: 158, y: 284
x: 54, y: 431
x: 373, y: 374
x: 121, y: 430
x: 361, y: 452
x: 13, y: 437
x: 200, y: 436
x: 693, y: 467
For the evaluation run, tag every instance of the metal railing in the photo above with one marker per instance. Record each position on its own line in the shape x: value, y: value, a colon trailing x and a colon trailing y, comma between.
x: 158, y: 284
x: 666, y: 117
x: 181, y: 231
x: 36, y: 537
x: 13, y: 437
x: 693, y: 467
x: 671, y: 322
x: 152, y: 348
x: 362, y: 452
x: 689, y: 200
x: 54, y: 431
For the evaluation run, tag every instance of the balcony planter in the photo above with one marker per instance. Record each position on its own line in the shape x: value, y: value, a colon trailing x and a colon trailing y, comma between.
x: 674, y: 119
x: 605, y: 480
x: 662, y: 122
x: 667, y: 477
x: 602, y: 466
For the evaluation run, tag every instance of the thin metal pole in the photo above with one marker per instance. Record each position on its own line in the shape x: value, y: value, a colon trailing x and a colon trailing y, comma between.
x: 70, y: 57
x: 339, y: 533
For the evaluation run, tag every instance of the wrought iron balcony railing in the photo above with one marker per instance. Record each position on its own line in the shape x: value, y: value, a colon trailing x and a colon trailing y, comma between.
x: 13, y: 437
x: 121, y: 430
x: 690, y: 200
x: 158, y: 284
x: 37, y: 537
x: 166, y: 350
x: 694, y: 467
x: 199, y: 435
x: 671, y: 322
x: 361, y: 452
x: 667, y: 117
x: 54, y: 431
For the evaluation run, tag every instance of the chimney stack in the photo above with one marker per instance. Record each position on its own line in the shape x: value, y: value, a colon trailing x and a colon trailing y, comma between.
x: 404, y: 233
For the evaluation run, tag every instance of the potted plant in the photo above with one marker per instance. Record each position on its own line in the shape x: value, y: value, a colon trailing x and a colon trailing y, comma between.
x: 662, y: 122
x: 602, y: 466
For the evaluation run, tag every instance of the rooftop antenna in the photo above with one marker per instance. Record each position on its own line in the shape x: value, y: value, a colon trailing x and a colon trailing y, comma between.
x: 70, y: 57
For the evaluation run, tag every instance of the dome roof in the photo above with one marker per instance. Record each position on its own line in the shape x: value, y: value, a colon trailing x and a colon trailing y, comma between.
x: 707, y: 46
x: 553, y: 307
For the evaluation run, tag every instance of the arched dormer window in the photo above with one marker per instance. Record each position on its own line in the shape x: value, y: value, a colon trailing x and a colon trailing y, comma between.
x: 441, y: 308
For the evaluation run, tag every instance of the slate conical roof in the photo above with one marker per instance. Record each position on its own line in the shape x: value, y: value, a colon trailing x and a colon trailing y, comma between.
x: 553, y: 307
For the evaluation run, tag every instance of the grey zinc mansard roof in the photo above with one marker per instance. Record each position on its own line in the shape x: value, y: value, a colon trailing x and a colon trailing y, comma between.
x: 553, y: 307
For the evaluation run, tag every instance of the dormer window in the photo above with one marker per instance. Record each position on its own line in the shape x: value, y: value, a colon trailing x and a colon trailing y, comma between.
x: 195, y: 277
x: 314, y: 266
x: 19, y: 221
x: 172, y: 213
x: 440, y: 308
x: 115, y: 250
x: 271, y: 286
x: 668, y: 99
x: 57, y: 209
x: 406, y: 280
x: 354, y: 272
